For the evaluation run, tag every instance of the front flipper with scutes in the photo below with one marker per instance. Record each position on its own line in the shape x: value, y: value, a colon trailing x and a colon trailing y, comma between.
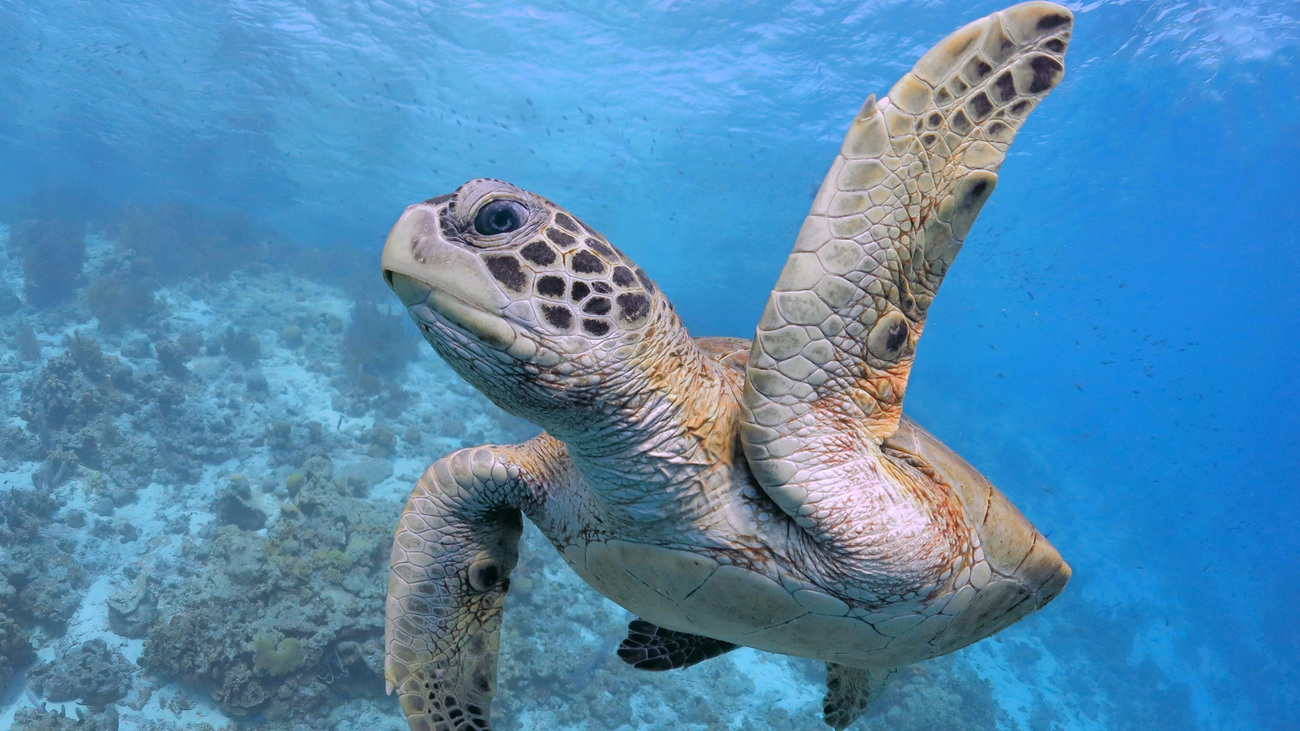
x: 456, y: 543
x: 833, y: 351
x: 651, y: 647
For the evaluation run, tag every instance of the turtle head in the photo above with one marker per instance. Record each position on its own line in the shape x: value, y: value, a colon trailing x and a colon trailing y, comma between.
x: 521, y: 298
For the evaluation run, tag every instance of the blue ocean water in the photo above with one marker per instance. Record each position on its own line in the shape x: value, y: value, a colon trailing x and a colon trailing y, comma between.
x: 1115, y: 348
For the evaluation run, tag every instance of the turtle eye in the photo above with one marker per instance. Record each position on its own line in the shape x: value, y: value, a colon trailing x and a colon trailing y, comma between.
x: 499, y: 217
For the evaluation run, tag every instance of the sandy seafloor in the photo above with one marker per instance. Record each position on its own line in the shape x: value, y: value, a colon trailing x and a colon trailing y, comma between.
x: 1065, y: 667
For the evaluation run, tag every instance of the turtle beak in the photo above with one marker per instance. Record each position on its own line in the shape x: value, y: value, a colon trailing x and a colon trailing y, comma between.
x: 430, y: 274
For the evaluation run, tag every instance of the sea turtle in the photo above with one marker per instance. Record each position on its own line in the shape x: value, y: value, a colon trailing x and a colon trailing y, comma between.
x: 771, y: 495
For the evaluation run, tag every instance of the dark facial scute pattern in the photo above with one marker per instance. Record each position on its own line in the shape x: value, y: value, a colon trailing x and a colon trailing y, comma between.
x: 582, y: 283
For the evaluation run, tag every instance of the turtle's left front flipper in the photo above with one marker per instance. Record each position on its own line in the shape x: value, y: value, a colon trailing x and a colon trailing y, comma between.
x: 833, y: 351
x: 455, y: 546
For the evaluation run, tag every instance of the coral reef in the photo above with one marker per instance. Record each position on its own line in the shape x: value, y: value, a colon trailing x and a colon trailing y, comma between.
x: 53, y: 252
x: 271, y: 625
x: 375, y: 348
x: 35, y: 719
x: 26, y: 344
x: 277, y: 657
x: 121, y: 301
x: 75, y: 410
x: 40, y: 581
x: 936, y: 695
x: 241, y: 346
x: 9, y: 302
x: 173, y: 241
x: 15, y: 643
x: 232, y: 507
x: 92, y: 673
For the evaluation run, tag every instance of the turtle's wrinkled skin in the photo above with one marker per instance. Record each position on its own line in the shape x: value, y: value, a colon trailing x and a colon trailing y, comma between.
x: 771, y: 494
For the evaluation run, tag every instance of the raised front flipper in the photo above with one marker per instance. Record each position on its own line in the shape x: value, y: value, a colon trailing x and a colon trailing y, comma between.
x: 834, y: 348
x: 651, y: 647
x: 455, y: 546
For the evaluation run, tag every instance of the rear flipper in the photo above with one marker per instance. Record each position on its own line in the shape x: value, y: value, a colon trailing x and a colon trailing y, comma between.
x: 850, y: 690
x: 650, y: 647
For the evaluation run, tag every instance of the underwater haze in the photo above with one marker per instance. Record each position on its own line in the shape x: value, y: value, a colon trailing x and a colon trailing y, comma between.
x: 212, y: 409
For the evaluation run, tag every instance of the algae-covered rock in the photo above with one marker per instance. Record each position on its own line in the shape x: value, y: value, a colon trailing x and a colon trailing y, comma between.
x: 369, y: 472
x: 277, y: 625
x: 35, y: 719
x: 132, y: 608
x: 40, y: 581
x: 15, y: 647
x: 230, y: 507
x: 93, y: 673
x: 72, y: 408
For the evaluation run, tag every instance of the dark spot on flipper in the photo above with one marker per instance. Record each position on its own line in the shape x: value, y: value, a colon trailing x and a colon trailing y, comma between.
x: 602, y: 248
x: 551, y: 286
x: 597, y: 306
x: 633, y: 306
x: 538, y: 253
x: 1005, y: 87
x: 579, y: 291
x: 996, y: 129
x: 888, y: 336
x: 506, y: 270
x: 1055, y: 45
x: 979, y: 106
x: 897, y: 334
x: 935, y: 120
x: 942, y: 96
x: 645, y: 279
x: 566, y: 223
x: 483, y: 575
x: 976, y: 69
x: 595, y: 327
x: 585, y: 262
x: 960, y: 123
x: 1046, y: 72
x: 558, y: 315
x: 623, y: 276
x: 1021, y: 107
x: 602, y: 287
x: 1048, y: 22
x: 928, y: 139
x: 560, y: 238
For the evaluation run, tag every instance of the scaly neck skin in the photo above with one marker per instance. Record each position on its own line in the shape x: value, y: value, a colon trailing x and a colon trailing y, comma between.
x: 661, y: 432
